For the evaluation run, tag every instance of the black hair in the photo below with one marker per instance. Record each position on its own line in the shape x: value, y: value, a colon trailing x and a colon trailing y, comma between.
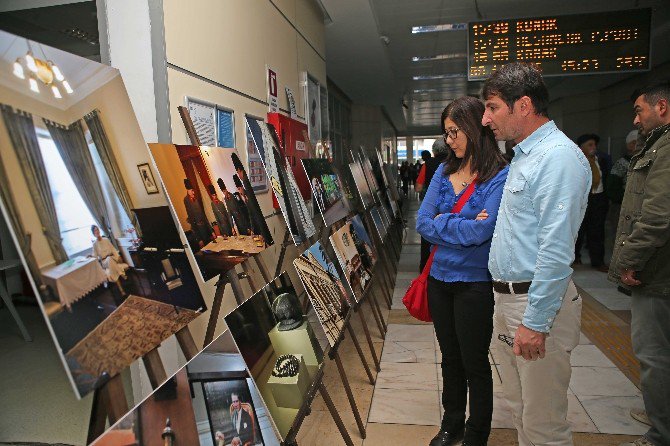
x: 425, y: 155
x: 515, y: 80
x: 482, y: 149
x: 93, y: 228
x: 653, y: 93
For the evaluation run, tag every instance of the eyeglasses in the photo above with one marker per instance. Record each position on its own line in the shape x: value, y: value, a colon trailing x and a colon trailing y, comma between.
x: 451, y: 133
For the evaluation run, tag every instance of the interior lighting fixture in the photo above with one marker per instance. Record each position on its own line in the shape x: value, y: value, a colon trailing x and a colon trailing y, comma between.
x: 44, y: 70
x: 438, y: 28
x: 430, y: 77
x: 439, y: 57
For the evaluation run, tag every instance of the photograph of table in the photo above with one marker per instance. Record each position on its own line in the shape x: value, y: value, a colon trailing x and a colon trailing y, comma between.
x: 74, y: 279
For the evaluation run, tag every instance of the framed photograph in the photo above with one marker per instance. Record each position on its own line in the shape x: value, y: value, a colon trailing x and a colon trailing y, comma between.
x: 312, y: 98
x: 355, y: 252
x: 257, y: 176
x: 231, y: 412
x: 327, y: 190
x: 148, y: 178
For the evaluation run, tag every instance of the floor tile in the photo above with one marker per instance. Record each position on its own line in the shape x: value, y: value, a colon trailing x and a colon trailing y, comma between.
x: 601, y: 381
x: 415, y: 333
x: 589, y: 355
x: 583, y: 340
x: 397, y: 304
x: 407, y: 407
x: 402, y: 376
x: 578, y: 418
x: 611, y: 415
x: 408, y: 351
x: 398, y: 434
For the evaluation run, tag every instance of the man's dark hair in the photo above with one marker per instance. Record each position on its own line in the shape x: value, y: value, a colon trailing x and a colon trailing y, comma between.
x: 425, y: 155
x: 653, y: 93
x: 515, y: 80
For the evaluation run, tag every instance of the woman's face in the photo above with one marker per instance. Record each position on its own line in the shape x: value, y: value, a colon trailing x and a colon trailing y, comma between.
x: 96, y: 232
x: 455, y: 138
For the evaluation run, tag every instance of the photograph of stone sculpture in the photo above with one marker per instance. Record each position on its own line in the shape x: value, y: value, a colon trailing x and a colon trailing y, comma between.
x: 355, y: 252
x: 214, y: 203
x: 282, y: 180
x: 327, y: 190
x: 282, y: 345
x: 329, y: 296
x: 112, y: 284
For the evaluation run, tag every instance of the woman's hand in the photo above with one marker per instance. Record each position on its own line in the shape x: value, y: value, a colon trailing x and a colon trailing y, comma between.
x: 483, y: 215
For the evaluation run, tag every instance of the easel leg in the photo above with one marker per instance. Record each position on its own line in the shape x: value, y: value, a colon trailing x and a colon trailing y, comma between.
x: 109, y: 401
x: 263, y: 269
x: 187, y: 343
x: 359, y: 310
x: 335, y: 415
x: 376, y: 316
x: 350, y: 395
x: 7, y: 299
x: 282, y: 252
x: 216, y: 308
x: 379, y: 311
x: 155, y: 369
x: 248, y: 276
x: 360, y: 354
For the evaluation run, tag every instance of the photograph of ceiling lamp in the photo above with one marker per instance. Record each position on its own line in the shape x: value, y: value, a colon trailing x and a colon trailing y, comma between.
x: 41, y: 69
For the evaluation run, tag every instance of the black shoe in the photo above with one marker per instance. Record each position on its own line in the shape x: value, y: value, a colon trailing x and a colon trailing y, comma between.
x: 444, y: 438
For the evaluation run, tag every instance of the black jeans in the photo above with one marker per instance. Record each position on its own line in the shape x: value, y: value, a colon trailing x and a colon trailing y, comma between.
x: 462, y: 313
x: 593, y: 228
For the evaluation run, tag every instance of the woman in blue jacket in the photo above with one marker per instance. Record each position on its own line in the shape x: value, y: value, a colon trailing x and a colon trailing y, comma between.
x: 460, y: 296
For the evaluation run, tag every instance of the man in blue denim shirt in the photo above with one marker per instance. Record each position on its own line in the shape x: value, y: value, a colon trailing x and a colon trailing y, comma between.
x: 537, y: 308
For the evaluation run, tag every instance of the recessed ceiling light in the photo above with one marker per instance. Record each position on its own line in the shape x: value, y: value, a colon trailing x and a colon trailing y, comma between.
x: 438, y: 28
x: 439, y: 57
x: 425, y: 90
x: 430, y: 77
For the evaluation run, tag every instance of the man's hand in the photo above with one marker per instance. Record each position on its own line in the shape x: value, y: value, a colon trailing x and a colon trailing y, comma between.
x: 529, y: 343
x: 628, y: 277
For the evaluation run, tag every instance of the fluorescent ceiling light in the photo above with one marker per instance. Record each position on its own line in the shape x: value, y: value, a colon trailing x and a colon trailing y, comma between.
x: 438, y: 28
x: 439, y: 57
x: 430, y: 77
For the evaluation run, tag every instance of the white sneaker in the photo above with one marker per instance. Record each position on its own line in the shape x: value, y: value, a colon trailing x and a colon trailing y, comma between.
x: 642, y: 441
x: 640, y: 415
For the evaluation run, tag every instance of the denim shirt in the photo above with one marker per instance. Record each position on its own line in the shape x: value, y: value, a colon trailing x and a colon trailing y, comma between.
x: 463, y: 243
x: 542, y: 208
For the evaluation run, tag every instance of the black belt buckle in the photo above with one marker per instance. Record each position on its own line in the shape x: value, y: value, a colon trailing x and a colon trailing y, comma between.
x: 516, y: 287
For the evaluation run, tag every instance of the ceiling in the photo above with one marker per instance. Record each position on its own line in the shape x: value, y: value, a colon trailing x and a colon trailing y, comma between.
x: 372, y: 71
x: 83, y: 75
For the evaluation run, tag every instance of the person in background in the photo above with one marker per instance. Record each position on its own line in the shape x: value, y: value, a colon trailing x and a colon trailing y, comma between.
x: 641, y: 253
x: 404, y: 176
x: 460, y: 296
x: 196, y: 216
x: 593, y: 226
x: 220, y: 213
x: 109, y: 258
x: 428, y: 169
x: 537, y: 317
x: 616, y: 182
x: 421, y: 178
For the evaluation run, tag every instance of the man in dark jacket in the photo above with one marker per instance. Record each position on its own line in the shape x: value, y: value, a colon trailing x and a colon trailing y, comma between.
x: 593, y: 226
x: 257, y: 219
x: 641, y: 252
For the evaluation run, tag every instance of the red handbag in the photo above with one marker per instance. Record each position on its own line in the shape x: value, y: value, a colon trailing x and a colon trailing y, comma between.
x: 416, y: 296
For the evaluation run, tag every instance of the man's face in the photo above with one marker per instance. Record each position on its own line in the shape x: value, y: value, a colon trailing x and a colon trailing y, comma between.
x: 191, y: 193
x: 236, y: 402
x: 214, y: 197
x: 504, y: 122
x: 589, y: 147
x: 630, y: 147
x: 647, y: 116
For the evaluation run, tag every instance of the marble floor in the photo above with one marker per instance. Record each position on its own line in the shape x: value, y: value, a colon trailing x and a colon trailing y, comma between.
x: 403, y: 407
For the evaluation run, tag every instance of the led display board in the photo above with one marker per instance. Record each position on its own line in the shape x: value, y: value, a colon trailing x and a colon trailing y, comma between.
x: 604, y: 42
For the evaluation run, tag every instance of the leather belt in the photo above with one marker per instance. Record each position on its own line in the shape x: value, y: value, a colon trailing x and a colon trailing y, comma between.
x: 511, y: 287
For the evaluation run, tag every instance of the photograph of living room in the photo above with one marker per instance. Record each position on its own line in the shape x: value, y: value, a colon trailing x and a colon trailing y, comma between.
x: 113, y: 284
x: 215, y: 204
x: 329, y: 296
x: 282, y: 345
x: 354, y: 250
x: 210, y: 402
x: 282, y: 180
x: 326, y: 190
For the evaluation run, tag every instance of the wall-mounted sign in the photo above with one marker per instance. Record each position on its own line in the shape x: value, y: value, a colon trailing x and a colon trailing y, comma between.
x: 273, y: 101
x: 291, y: 103
x: 603, y: 42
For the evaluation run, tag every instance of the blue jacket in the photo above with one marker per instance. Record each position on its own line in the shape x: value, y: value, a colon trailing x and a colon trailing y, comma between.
x: 463, y: 243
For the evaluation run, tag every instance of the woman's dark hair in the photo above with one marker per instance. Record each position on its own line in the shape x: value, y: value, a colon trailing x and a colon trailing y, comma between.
x: 515, y: 80
x: 482, y: 149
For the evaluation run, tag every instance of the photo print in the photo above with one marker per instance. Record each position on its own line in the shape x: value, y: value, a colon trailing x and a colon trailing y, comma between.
x: 379, y: 223
x: 212, y: 401
x: 215, y: 204
x: 282, y: 180
x: 111, y: 283
x: 361, y: 185
x: 282, y: 345
x: 355, y: 252
x: 327, y: 190
x: 329, y: 297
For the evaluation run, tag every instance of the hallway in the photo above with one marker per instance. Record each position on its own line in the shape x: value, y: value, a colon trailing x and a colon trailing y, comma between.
x: 404, y: 406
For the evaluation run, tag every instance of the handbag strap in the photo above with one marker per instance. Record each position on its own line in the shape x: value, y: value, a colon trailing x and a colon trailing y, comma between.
x: 458, y: 206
